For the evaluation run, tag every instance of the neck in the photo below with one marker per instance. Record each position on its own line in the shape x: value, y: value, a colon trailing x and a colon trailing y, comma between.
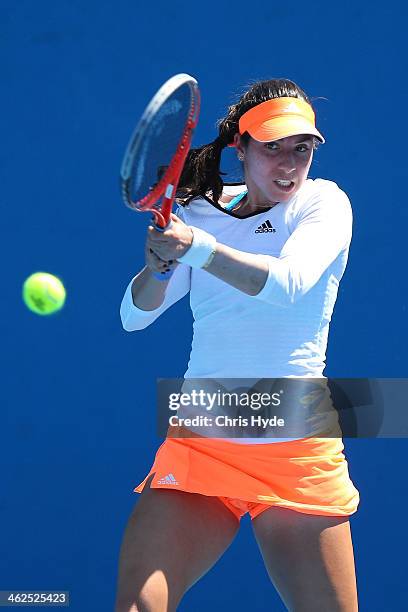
x: 244, y: 203
x: 256, y: 199
x: 248, y: 205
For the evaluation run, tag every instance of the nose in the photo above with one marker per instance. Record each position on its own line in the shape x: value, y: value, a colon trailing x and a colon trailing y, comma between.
x: 287, y: 163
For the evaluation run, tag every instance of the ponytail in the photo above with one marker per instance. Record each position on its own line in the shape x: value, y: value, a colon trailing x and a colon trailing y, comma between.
x: 201, y: 172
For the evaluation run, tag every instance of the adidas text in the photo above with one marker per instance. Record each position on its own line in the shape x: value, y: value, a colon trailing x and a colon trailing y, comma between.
x: 265, y: 227
x: 169, y: 479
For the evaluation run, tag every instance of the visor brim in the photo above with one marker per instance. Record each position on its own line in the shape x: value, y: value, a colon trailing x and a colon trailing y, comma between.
x: 283, y: 127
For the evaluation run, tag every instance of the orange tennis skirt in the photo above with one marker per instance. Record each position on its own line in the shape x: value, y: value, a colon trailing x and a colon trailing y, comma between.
x: 308, y: 475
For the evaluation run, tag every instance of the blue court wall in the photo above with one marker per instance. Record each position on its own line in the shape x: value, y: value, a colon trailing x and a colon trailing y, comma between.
x: 77, y: 392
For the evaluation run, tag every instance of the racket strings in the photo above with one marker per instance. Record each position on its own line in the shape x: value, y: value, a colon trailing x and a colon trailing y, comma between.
x: 165, y: 133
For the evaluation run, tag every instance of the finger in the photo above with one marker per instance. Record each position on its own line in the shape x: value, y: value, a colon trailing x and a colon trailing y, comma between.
x: 163, y: 250
x: 154, y: 230
x: 155, y: 256
x: 157, y: 267
x: 156, y: 252
x: 157, y: 235
x: 155, y: 260
x: 153, y: 233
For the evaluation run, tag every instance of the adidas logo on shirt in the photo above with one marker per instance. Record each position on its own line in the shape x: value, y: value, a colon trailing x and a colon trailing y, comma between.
x: 169, y: 479
x: 265, y: 227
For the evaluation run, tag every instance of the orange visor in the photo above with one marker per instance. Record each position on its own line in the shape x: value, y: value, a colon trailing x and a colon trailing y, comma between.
x: 279, y: 118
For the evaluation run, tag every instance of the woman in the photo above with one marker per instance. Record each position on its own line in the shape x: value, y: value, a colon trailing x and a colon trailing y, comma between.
x: 263, y: 278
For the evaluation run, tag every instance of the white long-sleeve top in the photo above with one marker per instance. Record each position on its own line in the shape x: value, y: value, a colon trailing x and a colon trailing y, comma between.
x: 283, y: 330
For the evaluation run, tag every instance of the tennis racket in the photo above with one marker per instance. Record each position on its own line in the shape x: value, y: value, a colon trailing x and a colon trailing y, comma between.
x: 158, y: 148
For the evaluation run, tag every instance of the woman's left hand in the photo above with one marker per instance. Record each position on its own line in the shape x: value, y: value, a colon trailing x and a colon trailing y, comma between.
x: 172, y: 243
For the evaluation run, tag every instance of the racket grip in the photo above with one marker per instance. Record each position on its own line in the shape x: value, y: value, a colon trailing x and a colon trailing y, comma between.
x: 163, y: 275
x: 163, y: 229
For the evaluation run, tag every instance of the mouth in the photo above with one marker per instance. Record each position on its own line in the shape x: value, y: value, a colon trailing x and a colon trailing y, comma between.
x: 285, y: 186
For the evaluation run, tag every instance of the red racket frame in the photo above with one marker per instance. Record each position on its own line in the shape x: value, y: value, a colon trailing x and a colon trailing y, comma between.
x: 167, y: 185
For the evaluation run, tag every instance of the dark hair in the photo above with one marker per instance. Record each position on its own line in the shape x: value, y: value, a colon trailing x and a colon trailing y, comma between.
x: 201, y: 172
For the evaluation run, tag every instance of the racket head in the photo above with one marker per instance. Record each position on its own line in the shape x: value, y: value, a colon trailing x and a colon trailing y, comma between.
x: 157, y: 150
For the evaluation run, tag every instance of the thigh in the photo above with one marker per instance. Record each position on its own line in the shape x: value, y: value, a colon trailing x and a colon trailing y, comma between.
x: 172, y: 539
x: 309, y: 559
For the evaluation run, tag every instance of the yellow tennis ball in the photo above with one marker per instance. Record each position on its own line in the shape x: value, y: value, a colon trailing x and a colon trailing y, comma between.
x: 43, y: 293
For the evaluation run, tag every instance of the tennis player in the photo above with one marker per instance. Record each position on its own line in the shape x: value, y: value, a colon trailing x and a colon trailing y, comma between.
x: 262, y: 262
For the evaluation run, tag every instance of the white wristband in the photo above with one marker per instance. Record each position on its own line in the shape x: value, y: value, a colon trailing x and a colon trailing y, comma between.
x: 202, y: 249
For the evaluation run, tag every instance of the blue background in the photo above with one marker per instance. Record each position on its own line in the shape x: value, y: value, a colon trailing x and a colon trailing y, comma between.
x: 77, y: 401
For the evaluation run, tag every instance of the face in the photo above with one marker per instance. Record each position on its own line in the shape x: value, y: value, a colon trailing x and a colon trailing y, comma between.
x: 266, y: 164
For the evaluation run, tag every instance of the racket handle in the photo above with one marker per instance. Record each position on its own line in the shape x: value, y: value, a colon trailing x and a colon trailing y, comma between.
x: 162, y: 229
x: 163, y: 275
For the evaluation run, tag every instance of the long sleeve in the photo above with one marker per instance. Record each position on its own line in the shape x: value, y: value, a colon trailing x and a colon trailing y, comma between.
x: 322, y: 230
x: 133, y: 318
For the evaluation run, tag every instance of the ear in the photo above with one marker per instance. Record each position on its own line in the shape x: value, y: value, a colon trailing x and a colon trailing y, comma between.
x: 238, y: 144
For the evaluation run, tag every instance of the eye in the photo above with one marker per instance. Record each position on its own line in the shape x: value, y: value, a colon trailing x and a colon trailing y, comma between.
x: 302, y: 148
x: 272, y: 146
